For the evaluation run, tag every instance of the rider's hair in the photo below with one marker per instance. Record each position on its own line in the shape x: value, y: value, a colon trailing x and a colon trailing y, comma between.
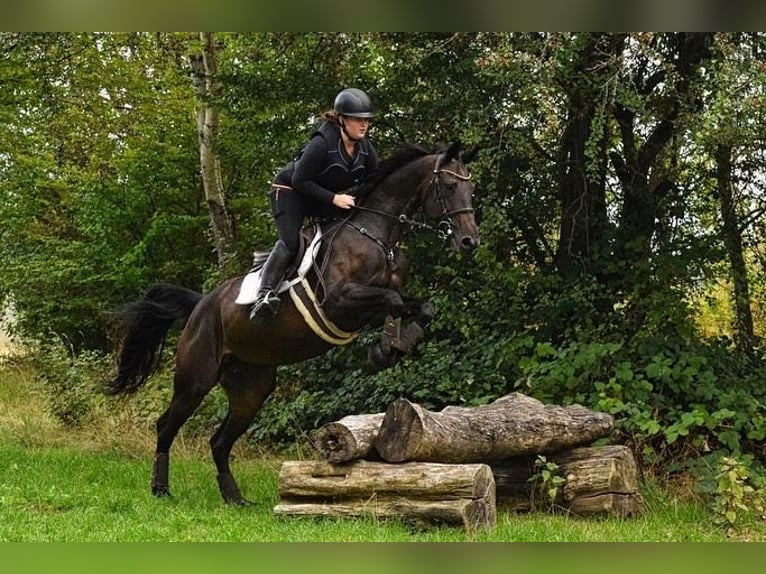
x: 331, y: 116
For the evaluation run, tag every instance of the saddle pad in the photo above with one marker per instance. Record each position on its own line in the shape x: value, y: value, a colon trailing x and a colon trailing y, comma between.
x: 248, y: 292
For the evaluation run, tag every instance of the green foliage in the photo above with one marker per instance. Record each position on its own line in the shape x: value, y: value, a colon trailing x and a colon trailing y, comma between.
x: 569, y: 298
x: 736, y: 498
x: 547, y: 481
x: 71, y: 383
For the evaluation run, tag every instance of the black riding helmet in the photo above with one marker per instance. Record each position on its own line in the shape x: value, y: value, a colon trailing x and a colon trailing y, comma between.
x: 353, y: 102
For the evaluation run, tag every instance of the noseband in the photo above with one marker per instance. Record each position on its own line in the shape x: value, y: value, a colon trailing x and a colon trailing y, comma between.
x: 445, y: 228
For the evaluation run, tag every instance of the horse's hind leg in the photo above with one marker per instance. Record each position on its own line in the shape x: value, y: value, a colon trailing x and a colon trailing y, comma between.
x: 192, y: 382
x: 247, y: 387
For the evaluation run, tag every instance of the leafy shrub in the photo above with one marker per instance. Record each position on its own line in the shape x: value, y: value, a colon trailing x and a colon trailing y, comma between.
x: 72, y: 381
x: 736, y: 497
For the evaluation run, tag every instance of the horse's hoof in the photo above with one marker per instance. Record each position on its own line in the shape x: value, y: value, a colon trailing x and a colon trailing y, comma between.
x: 240, y: 503
x: 377, y: 360
x: 161, y: 491
x: 230, y: 491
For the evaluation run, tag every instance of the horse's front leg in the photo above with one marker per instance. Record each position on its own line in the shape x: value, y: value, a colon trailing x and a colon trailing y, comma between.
x: 375, y: 306
x: 404, y: 332
x: 370, y: 304
x: 400, y: 335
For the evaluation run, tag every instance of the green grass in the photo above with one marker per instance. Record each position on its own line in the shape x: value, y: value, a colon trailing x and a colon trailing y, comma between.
x: 57, y: 494
x: 92, y: 484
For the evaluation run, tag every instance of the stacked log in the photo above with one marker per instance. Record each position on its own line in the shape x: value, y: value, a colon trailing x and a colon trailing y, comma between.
x: 352, y: 437
x: 430, y: 493
x: 597, y: 480
x: 454, y: 465
x: 513, y: 425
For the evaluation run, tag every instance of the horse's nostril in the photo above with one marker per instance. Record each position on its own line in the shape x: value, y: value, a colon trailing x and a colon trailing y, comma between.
x: 468, y: 244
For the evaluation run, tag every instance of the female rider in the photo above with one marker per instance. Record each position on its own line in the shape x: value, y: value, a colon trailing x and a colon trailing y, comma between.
x: 316, y: 184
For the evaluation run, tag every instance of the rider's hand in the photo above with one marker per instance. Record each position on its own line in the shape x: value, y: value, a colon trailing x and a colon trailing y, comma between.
x: 344, y: 201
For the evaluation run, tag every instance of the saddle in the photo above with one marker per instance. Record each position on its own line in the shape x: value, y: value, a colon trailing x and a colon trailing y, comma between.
x: 308, y: 246
x: 301, y: 293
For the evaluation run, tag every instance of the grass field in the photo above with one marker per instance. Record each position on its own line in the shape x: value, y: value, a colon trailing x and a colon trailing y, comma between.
x: 91, y: 484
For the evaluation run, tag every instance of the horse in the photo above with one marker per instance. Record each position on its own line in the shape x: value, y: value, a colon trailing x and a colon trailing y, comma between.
x: 358, y: 284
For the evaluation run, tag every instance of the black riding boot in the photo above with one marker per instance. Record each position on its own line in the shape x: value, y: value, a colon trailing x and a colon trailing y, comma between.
x: 268, y: 302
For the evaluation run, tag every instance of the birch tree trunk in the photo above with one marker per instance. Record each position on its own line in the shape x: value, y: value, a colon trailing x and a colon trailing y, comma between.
x: 208, y: 87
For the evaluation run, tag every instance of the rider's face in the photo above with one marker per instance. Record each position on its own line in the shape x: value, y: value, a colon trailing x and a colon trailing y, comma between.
x: 356, y: 127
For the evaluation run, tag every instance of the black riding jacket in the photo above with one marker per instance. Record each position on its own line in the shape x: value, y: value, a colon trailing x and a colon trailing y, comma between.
x: 324, y: 168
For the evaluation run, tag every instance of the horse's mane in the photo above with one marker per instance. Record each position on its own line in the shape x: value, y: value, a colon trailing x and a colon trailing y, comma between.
x: 402, y: 156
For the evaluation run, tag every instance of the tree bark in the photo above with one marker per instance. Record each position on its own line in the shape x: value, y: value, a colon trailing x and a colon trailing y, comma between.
x: 514, y: 425
x: 599, y: 480
x: 425, y: 493
x: 582, y: 165
x: 349, y: 438
x: 208, y: 88
x: 744, y: 333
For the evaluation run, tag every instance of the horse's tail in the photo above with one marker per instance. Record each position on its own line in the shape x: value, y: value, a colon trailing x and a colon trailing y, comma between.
x: 148, y: 321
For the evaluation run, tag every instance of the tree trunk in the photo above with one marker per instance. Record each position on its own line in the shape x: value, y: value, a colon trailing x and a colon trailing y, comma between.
x: 350, y: 438
x: 513, y: 425
x: 599, y: 480
x: 582, y: 154
x: 208, y: 88
x: 425, y: 493
x: 744, y: 333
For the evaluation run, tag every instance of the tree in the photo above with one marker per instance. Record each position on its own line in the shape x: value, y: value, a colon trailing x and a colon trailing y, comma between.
x: 208, y: 87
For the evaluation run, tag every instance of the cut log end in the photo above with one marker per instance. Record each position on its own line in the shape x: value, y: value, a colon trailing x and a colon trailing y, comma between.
x: 403, y: 428
x: 335, y: 442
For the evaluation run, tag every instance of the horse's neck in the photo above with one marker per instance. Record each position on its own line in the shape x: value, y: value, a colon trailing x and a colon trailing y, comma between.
x: 398, y: 195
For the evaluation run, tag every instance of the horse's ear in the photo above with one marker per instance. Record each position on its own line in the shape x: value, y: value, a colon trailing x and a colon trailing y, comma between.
x: 470, y: 154
x: 453, y: 151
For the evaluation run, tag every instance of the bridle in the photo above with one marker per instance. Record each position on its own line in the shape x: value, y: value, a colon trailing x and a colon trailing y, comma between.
x: 445, y: 228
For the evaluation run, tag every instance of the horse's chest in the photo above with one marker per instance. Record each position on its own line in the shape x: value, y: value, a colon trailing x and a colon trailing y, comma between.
x: 388, y: 275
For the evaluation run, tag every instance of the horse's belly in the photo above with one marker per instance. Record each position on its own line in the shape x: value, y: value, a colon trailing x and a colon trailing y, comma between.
x: 283, y: 340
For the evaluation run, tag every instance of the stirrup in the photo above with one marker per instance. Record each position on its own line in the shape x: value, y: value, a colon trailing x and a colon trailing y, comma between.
x: 266, y: 306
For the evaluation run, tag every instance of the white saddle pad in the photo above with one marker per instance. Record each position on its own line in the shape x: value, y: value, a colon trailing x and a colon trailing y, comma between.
x: 248, y: 292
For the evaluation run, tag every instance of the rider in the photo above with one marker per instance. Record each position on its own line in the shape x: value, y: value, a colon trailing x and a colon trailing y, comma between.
x: 317, y: 183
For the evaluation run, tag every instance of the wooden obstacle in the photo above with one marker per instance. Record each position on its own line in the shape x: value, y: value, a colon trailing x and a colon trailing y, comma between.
x: 597, y: 480
x: 453, y: 466
x: 421, y: 493
x: 513, y: 425
x: 352, y: 437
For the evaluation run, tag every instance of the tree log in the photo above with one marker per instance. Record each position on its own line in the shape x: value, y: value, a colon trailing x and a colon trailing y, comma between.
x: 349, y: 438
x: 424, y: 493
x: 599, y: 480
x: 513, y: 425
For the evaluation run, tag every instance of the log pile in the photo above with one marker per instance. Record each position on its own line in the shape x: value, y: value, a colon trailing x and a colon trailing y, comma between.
x: 598, y: 480
x: 420, y: 493
x: 453, y: 466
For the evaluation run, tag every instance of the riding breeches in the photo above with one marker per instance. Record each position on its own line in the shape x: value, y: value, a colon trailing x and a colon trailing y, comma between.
x: 289, y: 209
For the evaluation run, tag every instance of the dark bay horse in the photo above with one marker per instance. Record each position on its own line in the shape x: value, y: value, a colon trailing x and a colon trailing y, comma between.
x: 359, y: 284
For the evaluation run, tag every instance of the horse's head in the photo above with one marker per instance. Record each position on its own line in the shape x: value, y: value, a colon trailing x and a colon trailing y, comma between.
x: 449, y: 199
